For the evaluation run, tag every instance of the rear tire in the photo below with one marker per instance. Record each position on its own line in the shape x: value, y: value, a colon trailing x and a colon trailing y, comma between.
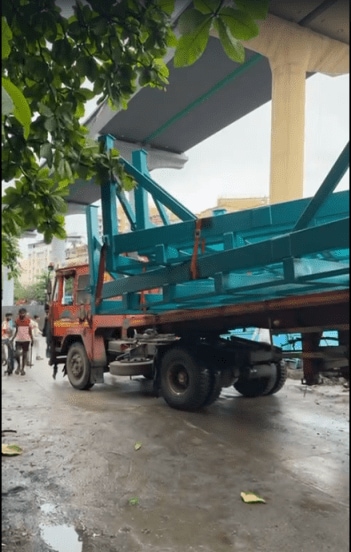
x: 256, y: 387
x: 252, y: 388
x: 78, y: 367
x: 185, y: 384
x: 282, y: 376
x: 215, y: 389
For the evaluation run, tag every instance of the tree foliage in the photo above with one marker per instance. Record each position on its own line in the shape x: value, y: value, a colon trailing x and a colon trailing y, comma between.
x: 33, y: 292
x: 232, y: 25
x: 54, y: 63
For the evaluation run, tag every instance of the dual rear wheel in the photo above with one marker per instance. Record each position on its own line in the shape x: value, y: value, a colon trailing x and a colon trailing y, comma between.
x: 263, y: 386
x: 186, y: 383
x: 189, y: 384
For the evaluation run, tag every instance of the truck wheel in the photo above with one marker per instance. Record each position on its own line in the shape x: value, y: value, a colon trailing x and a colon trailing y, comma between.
x: 78, y: 367
x: 185, y: 384
x: 258, y: 386
x: 282, y: 375
x: 252, y: 388
x: 215, y: 388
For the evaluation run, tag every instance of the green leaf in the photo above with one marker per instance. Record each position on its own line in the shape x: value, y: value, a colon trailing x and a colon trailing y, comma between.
x: 232, y: 47
x: 68, y: 170
x: 60, y: 233
x: 6, y: 36
x: 207, y: 6
x: 62, y: 51
x: 61, y: 169
x: 21, y: 107
x: 80, y: 111
x: 7, y: 106
x: 172, y: 40
x: 86, y: 93
x: 45, y: 110
x: 258, y: 9
x: 190, y: 21
x: 167, y: 6
x: 134, y: 501
x: 137, y: 445
x: 46, y: 153
x: 82, y: 66
x: 191, y: 46
x: 240, y: 25
x: 50, y: 124
x: 36, y: 67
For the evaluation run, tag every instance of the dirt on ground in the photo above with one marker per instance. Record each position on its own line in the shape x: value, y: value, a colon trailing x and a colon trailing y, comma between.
x: 114, y: 469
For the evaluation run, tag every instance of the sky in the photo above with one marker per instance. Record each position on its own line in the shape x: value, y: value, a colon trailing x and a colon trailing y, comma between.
x: 235, y: 161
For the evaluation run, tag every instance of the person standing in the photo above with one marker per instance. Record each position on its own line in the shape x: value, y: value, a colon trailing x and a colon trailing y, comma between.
x: 7, y: 330
x: 47, y: 334
x: 36, y: 334
x: 23, y: 339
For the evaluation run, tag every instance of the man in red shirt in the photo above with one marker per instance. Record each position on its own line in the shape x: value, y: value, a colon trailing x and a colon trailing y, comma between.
x: 23, y: 338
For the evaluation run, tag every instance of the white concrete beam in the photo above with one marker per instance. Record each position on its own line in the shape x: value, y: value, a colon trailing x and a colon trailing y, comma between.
x: 284, y: 42
x: 156, y: 158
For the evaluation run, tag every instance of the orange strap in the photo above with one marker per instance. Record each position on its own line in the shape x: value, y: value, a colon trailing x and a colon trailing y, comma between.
x: 193, y: 265
x: 142, y: 295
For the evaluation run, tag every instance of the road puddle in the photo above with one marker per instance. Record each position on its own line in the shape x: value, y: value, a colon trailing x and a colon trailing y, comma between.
x: 61, y: 538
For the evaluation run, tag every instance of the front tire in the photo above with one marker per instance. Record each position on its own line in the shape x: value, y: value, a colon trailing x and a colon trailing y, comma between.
x: 185, y: 384
x: 78, y: 367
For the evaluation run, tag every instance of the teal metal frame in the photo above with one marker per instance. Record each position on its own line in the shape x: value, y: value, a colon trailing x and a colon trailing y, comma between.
x: 297, y: 247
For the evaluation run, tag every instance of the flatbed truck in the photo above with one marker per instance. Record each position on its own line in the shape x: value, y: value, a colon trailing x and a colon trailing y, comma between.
x: 161, y: 301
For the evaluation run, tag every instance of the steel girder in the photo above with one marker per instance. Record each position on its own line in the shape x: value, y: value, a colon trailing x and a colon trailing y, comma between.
x: 293, y: 248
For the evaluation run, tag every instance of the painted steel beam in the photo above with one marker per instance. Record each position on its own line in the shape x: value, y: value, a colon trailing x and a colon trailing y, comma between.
x: 159, y: 193
x: 233, y: 229
x: 328, y: 186
x: 295, y: 244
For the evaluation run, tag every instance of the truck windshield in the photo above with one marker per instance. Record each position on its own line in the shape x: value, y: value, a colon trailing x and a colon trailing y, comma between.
x: 83, y: 295
x: 67, y: 298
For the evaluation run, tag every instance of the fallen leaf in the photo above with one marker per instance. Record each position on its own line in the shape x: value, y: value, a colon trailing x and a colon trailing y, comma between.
x: 10, y: 450
x: 137, y: 446
x: 251, y: 498
x: 133, y: 501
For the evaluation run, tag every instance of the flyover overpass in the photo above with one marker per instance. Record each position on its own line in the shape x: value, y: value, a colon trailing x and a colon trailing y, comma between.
x: 297, y: 39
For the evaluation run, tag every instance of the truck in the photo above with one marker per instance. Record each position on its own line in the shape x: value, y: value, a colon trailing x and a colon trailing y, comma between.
x: 163, y: 301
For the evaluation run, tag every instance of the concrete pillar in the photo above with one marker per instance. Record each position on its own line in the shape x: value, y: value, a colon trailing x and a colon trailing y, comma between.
x: 7, y: 288
x: 293, y: 51
x: 287, y: 132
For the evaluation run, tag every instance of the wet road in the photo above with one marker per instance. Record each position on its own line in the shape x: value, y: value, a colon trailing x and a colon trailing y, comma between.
x: 80, y: 485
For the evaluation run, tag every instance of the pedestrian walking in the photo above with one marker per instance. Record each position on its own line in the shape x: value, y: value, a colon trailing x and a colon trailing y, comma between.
x: 36, y: 335
x: 23, y: 338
